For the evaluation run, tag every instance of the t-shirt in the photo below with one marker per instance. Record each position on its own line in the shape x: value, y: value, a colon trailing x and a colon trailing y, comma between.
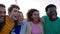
x: 51, y: 27
x: 17, y: 29
x: 35, y: 28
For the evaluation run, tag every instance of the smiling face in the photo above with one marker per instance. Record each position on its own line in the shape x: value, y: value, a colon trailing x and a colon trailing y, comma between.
x: 35, y: 16
x: 20, y: 17
x: 52, y: 13
x: 2, y: 14
x: 14, y: 13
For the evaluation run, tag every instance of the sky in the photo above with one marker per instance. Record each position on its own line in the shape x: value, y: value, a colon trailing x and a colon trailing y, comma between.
x: 25, y: 5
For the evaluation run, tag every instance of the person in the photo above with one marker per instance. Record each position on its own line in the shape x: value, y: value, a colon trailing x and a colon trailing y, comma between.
x: 20, y: 25
x: 2, y: 16
x: 5, y: 24
x: 52, y: 21
x: 13, y: 14
x: 34, y: 25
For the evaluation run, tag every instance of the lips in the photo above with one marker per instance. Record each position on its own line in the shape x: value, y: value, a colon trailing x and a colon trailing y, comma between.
x: 1, y: 19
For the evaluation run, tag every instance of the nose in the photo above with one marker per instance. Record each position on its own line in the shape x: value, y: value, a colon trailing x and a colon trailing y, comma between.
x: 3, y: 14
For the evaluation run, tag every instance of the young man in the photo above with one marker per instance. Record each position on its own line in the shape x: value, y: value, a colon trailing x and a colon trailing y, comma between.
x: 5, y: 24
x: 52, y: 21
x: 13, y: 14
x: 2, y: 16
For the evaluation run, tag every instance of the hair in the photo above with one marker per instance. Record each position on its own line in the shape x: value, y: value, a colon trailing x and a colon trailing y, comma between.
x: 2, y: 5
x: 13, y: 6
x: 49, y: 6
x: 19, y: 12
x: 29, y: 14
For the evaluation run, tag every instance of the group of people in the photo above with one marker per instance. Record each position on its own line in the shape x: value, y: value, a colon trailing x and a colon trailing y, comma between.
x: 14, y: 22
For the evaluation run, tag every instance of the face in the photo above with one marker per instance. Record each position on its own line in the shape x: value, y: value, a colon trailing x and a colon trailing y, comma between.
x: 20, y: 18
x: 2, y: 14
x: 52, y: 13
x: 14, y: 13
x: 35, y: 16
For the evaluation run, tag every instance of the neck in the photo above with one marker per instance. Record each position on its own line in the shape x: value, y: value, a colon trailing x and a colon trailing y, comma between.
x: 35, y: 22
x: 11, y: 18
x: 19, y: 23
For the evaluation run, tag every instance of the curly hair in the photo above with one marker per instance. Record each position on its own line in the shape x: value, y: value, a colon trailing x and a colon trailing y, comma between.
x: 30, y: 13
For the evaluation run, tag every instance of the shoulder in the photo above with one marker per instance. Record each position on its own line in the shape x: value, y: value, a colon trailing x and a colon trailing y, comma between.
x: 25, y: 22
x: 44, y: 16
x: 58, y: 18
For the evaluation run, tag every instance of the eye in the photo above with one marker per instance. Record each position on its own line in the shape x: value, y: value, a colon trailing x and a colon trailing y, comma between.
x: 4, y: 12
x: 15, y: 10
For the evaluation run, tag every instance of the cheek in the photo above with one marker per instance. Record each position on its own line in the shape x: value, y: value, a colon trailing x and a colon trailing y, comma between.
x: 33, y: 17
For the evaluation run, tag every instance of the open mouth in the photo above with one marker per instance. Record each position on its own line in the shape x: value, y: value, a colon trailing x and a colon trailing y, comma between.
x: 1, y: 17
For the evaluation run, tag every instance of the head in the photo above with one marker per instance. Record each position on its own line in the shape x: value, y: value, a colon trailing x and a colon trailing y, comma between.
x: 2, y: 16
x: 13, y: 11
x: 51, y: 11
x: 33, y: 15
x: 20, y: 17
x: 2, y: 13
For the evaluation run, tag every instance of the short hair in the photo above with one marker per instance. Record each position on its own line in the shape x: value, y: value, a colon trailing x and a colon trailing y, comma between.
x: 49, y: 6
x: 2, y: 5
x: 29, y: 14
x: 13, y: 6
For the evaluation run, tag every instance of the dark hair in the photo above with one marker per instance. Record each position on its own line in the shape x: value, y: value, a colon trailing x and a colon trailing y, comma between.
x: 49, y: 6
x: 2, y: 5
x: 13, y: 6
x: 29, y: 14
x: 19, y: 12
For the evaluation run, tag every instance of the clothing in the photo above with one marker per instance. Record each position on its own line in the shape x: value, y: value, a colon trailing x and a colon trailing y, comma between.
x: 30, y: 30
x: 35, y: 28
x: 8, y: 26
x: 23, y: 28
x: 17, y: 29
x: 51, y: 27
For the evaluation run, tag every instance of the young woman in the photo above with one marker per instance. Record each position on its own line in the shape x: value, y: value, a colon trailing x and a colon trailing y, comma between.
x: 34, y: 25
x: 20, y: 25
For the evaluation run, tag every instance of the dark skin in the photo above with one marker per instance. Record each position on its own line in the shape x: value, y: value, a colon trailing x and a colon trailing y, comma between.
x: 2, y: 17
x: 52, y: 13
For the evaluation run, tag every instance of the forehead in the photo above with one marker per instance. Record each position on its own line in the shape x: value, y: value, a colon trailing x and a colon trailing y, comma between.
x: 36, y: 12
x: 2, y: 9
x: 15, y: 8
x: 52, y: 9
